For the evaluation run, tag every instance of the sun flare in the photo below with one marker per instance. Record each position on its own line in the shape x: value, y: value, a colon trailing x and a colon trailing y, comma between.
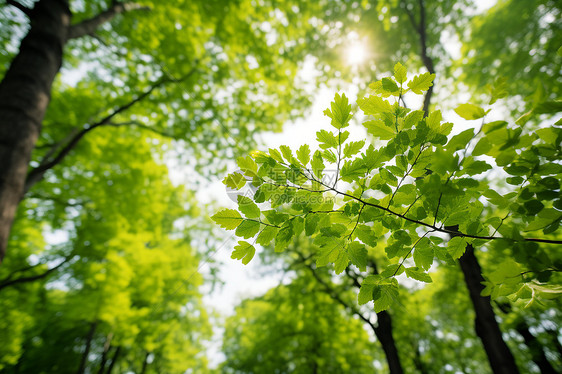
x: 356, y: 54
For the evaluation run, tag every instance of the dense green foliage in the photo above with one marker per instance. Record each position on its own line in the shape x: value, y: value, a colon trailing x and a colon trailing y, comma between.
x: 106, y: 265
x: 420, y: 182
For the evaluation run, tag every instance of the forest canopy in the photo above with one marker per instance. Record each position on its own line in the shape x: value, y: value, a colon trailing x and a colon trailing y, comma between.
x: 390, y: 172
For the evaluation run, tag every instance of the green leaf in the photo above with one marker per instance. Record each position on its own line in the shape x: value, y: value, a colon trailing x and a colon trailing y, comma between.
x: 470, y: 111
x: 423, y: 254
x: 247, y: 165
x: 413, y: 118
x: 421, y: 83
x: 340, y: 113
x: 286, y: 153
x: 378, y: 129
x: 326, y: 139
x: 388, y: 295
x: 460, y: 141
x: 456, y: 247
x: 341, y: 262
x: 303, y: 154
x: 228, y: 218
x: 248, y: 207
x: 317, y: 164
x: 400, y: 73
x: 533, y: 206
x: 243, y: 251
x: 235, y: 181
x: 247, y: 229
x: 358, y: 255
x: 353, y: 148
x: 351, y: 170
x: 267, y: 235
x: 374, y: 105
x: 389, y: 85
x: 310, y: 224
x: 419, y: 275
x: 474, y: 167
x: 366, y: 290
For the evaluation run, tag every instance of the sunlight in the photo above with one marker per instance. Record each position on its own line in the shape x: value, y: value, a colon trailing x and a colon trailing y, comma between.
x: 356, y: 54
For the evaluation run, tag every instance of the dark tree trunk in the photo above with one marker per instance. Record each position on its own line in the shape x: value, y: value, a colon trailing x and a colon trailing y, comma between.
x: 114, y: 360
x: 89, y: 338
x: 535, y: 348
x: 383, y: 331
x: 487, y: 328
x: 24, y: 96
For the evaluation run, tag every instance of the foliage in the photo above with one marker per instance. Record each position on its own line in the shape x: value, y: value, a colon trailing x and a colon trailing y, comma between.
x: 295, y: 328
x: 408, y: 194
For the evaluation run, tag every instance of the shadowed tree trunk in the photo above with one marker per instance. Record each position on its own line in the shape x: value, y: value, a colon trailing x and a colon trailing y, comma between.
x: 24, y: 97
x: 25, y: 93
x: 114, y: 360
x: 89, y: 338
x: 487, y: 328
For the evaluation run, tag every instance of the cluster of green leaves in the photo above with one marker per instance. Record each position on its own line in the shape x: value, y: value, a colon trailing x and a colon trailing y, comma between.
x: 419, y: 187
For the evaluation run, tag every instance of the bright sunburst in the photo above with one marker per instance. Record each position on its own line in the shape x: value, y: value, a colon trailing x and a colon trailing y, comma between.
x: 356, y: 54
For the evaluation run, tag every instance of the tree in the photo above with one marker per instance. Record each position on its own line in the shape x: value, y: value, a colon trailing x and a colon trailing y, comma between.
x: 305, y: 332
x: 430, y: 185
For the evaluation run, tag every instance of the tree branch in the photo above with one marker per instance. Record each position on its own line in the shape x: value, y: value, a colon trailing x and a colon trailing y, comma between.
x: 20, y: 7
x: 88, y: 26
x: 10, y: 282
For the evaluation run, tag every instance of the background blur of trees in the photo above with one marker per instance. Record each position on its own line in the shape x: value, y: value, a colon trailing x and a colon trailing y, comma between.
x: 101, y: 272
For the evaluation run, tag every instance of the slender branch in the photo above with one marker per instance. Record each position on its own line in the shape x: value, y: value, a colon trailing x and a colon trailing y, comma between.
x: 10, y: 282
x: 89, y: 26
x: 35, y: 175
x: 20, y: 7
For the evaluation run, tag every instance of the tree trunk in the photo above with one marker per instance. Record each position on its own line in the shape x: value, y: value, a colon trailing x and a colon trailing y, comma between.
x: 145, y: 363
x: 89, y: 338
x: 487, y: 328
x: 114, y: 360
x: 383, y: 331
x: 535, y: 348
x: 24, y: 97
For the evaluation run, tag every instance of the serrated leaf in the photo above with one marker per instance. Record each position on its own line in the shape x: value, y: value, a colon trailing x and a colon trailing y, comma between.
x: 329, y: 156
x: 267, y: 235
x: 310, y: 224
x: 353, y: 148
x: 358, y: 255
x: 423, y: 254
x: 247, y: 165
x: 421, y: 83
x: 352, y: 170
x: 286, y: 151
x: 303, y: 154
x: 317, y: 164
x: 388, y: 295
x: 374, y: 105
x: 248, y: 207
x: 243, y: 251
x: 228, y: 219
x: 247, y: 229
x: 378, y: 129
x: 340, y: 113
x: 326, y: 139
x: 456, y: 247
x: 400, y: 73
x: 417, y: 274
x: 235, y: 181
x: 389, y: 85
x: 413, y: 118
x: 366, y: 290
x: 341, y: 262
x: 470, y: 111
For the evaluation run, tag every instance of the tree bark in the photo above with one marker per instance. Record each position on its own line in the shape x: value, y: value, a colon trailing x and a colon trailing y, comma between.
x: 24, y: 97
x: 383, y: 331
x: 535, y: 348
x: 114, y: 360
x: 487, y: 328
x: 89, y: 338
